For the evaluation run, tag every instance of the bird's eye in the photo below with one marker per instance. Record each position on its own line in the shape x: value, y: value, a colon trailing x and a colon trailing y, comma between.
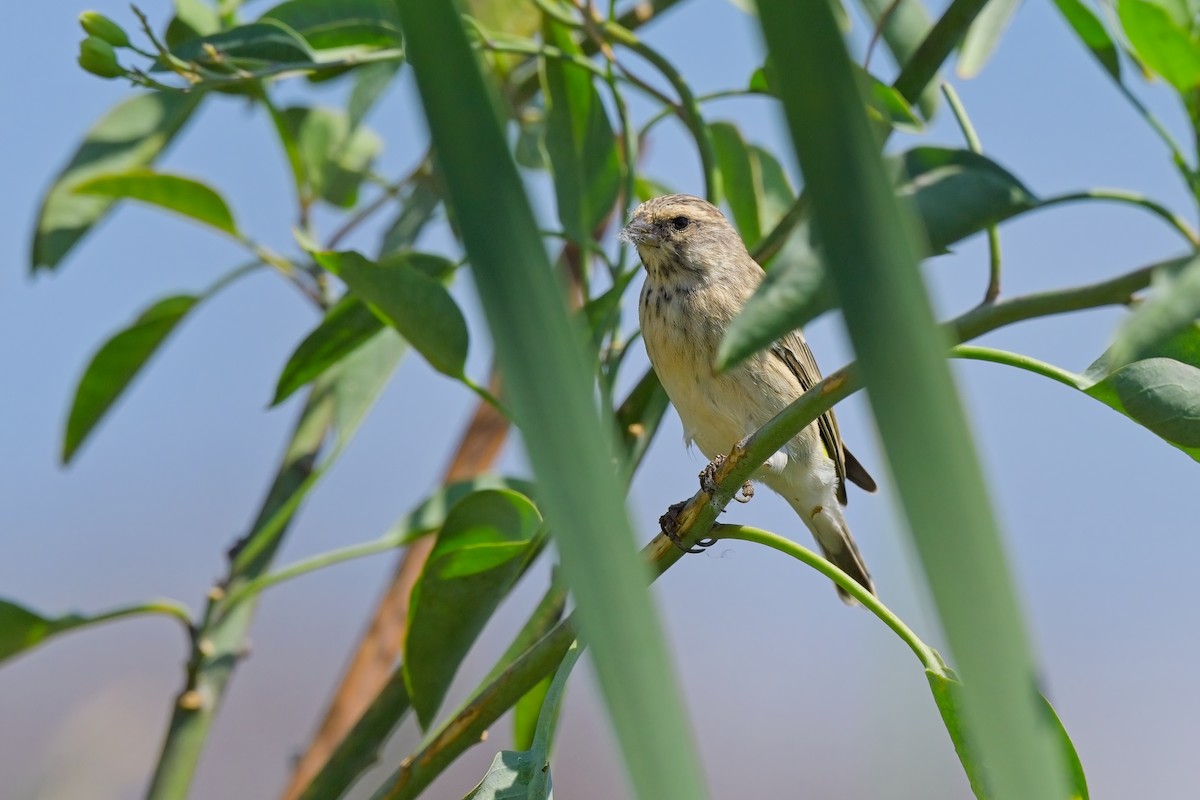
x: 680, y: 223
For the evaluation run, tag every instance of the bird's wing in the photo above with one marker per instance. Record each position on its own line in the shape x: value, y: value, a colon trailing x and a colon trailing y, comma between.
x: 793, y: 351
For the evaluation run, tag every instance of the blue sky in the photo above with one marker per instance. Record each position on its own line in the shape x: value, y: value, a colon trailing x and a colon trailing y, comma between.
x: 790, y: 692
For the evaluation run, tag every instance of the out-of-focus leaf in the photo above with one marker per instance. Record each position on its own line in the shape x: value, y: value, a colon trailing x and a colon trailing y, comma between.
x: 579, y: 141
x: 131, y: 135
x: 1165, y: 37
x: 185, y: 196
x: 984, y: 36
x: 345, y: 23
x: 481, y: 550
x: 508, y: 777
x: 370, y: 82
x: 193, y: 19
x: 647, y: 188
x: 334, y: 158
x: 20, y: 629
x: 1174, y: 306
x: 638, y: 417
x: 904, y: 30
x: 957, y: 193
x: 346, y: 326
x: 753, y: 182
x: 361, y: 377
x: 530, y: 149
x: 411, y: 302
x: 253, y: 46
x: 889, y: 106
x: 116, y: 364
x: 417, y: 211
x: 947, y: 693
x: 1091, y: 32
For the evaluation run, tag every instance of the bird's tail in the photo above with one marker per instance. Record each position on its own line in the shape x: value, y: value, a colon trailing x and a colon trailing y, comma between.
x: 833, y: 535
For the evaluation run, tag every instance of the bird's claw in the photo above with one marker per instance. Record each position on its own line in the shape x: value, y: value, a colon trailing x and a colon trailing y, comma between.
x: 708, y: 475
x: 745, y: 494
x: 668, y: 523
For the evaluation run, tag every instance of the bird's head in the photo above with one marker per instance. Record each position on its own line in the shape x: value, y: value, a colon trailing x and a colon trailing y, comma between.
x: 681, y: 237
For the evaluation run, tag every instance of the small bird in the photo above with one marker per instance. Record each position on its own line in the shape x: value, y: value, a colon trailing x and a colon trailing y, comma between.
x: 698, y: 278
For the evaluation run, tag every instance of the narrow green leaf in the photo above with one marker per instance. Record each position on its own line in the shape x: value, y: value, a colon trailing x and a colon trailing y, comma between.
x: 984, y: 36
x: 569, y: 446
x: 1164, y: 38
x: 873, y: 266
x: 1174, y: 306
x: 738, y: 184
x: 525, y: 714
x: 117, y: 363
x: 638, y: 417
x: 411, y: 302
x: 418, y: 209
x: 184, y: 196
x: 252, y: 46
x: 579, y: 141
x: 481, y: 550
x: 1092, y: 33
x: 346, y: 326
x: 132, y: 134
x: 957, y: 193
x: 346, y: 23
x: 904, y: 30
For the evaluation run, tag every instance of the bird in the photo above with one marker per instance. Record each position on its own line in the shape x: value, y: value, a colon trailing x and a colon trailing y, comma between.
x: 699, y: 276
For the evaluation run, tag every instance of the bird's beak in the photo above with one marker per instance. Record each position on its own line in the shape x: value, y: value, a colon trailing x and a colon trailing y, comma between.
x: 638, y: 231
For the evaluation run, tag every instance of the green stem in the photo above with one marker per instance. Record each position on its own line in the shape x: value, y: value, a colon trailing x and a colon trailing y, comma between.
x: 1027, y: 363
x: 168, y: 608
x: 1128, y: 198
x: 927, y: 655
x: 665, y: 113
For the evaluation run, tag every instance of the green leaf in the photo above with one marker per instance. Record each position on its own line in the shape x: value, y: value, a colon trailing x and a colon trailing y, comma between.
x: 335, y: 159
x: 1174, y: 306
x: 175, y: 193
x: 346, y: 23
x: 526, y: 711
x: 483, y: 547
x: 415, y: 213
x: 639, y: 416
x: 431, y: 513
x: 947, y: 693
x: 508, y: 777
x: 193, y: 19
x: 132, y: 134
x: 906, y: 25
x: 361, y: 377
x: 370, y: 83
x: 253, y: 46
x: 1165, y: 38
x: 1092, y: 33
x: 411, y: 302
x: 346, y: 326
x: 901, y: 355
x: 569, y: 446
x: 1160, y: 394
x: 957, y: 193
x: 579, y: 142
x: 117, y: 363
x: 984, y: 36
x: 20, y: 629
x: 738, y: 184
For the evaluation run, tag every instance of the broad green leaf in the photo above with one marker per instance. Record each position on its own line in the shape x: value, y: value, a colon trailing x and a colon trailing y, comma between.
x: 1165, y: 38
x: 334, y: 158
x: 346, y: 326
x: 508, y: 777
x: 175, y: 193
x: 569, y: 446
x: 410, y: 301
x: 483, y: 547
x: 1160, y: 394
x: 874, y: 269
x: 904, y: 30
x: 1092, y: 33
x: 131, y: 135
x: 253, y: 46
x: 947, y: 693
x: 431, y: 513
x: 20, y: 629
x: 984, y: 36
x: 329, y: 25
x: 579, y: 142
x: 117, y: 363
x: 957, y: 193
x: 1174, y: 306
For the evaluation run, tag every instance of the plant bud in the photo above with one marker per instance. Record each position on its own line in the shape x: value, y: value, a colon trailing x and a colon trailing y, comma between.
x: 100, y: 26
x: 98, y: 57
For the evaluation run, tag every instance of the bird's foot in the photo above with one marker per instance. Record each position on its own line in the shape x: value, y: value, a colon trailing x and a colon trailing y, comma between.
x: 668, y: 523
x: 708, y: 475
x: 746, y: 493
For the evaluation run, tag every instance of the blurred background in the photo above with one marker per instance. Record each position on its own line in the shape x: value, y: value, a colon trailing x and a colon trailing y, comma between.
x: 790, y: 693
